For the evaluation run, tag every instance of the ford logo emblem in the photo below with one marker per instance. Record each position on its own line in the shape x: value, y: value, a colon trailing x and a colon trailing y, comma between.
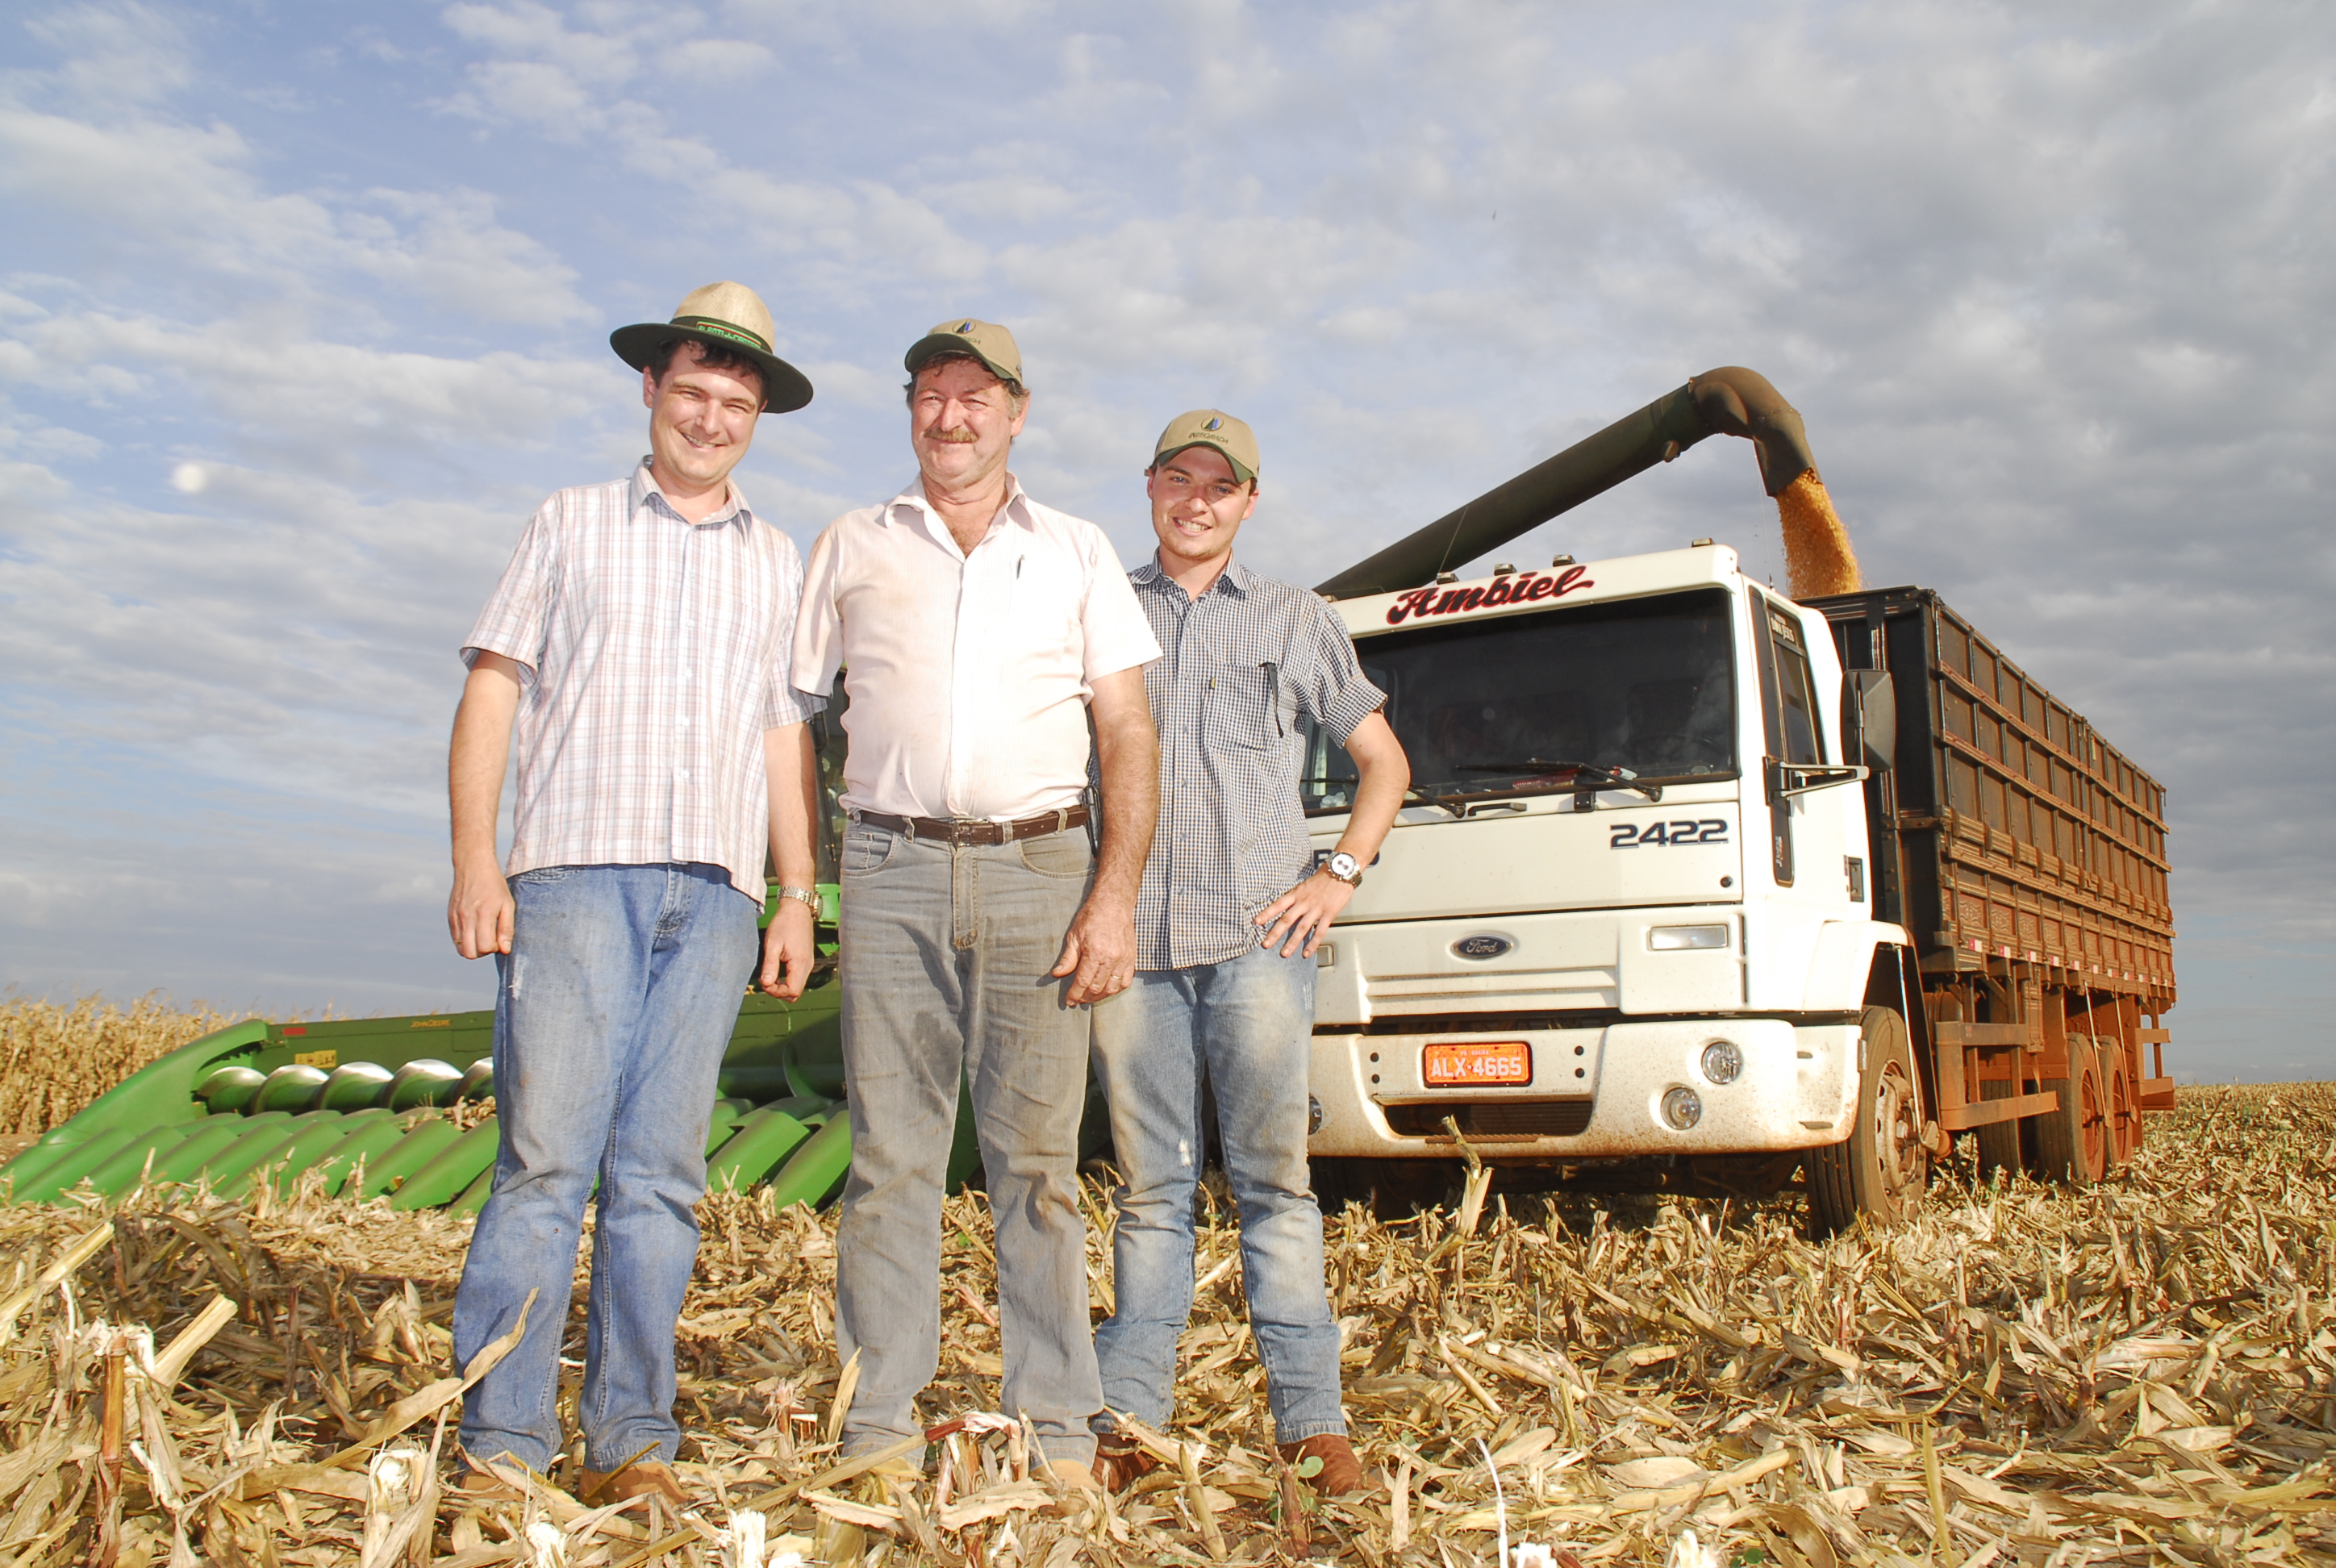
x: 1481, y: 947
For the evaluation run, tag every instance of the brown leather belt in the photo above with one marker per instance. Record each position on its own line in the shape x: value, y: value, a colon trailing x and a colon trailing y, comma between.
x: 978, y: 830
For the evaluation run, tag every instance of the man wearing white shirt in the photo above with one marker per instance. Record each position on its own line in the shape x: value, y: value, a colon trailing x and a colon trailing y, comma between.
x: 978, y: 633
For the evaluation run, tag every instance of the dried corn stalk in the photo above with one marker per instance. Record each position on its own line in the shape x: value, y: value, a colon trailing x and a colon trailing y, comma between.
x: 2024, y: 1371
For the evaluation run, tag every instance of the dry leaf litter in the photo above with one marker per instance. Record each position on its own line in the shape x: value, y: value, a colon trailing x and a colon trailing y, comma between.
x: 2145, y: 1371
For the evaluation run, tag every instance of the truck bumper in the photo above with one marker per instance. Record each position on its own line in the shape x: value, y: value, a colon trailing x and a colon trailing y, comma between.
x: 1593, y: 1094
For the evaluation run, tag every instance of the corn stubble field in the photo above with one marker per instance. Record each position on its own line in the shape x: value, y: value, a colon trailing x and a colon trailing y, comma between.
x: 2141, y: 1372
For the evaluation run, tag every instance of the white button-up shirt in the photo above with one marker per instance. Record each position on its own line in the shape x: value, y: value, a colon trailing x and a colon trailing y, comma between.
x: 967, y: 673
x: 653, y: 655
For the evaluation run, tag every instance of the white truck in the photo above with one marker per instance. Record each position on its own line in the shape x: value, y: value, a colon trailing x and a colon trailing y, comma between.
x: 1679, y: 900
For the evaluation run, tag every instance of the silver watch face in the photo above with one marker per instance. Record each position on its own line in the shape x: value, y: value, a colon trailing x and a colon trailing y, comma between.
x: 1344, y: 866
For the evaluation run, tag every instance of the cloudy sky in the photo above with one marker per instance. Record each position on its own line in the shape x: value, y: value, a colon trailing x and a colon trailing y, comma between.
x: 303, y: 306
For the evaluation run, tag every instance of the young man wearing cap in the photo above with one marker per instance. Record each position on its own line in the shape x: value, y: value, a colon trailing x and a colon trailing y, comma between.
x: 1227, y: 922
x: 639, y: 639
x: 978, y: 633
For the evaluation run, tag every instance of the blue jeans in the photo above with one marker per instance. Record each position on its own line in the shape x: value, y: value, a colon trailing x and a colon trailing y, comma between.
x: 943, y: 965
x: 1246, y: 1026
x: 617, y: 1001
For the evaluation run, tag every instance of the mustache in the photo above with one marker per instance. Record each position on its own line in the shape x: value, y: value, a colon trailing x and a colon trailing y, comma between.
x: 957, y: 437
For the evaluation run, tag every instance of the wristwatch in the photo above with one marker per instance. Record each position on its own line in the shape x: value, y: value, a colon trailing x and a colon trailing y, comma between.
x: 807, y: 896
x: 1346, y: 868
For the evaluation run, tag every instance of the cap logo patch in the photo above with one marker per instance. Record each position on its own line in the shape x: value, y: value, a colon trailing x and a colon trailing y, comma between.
x: 965, y: 327
x: 1214, y: 424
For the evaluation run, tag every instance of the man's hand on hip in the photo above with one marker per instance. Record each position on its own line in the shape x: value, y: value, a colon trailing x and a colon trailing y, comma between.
x: 479, y: 911
x: 1305, y: 910
x: 788, y: 947
x: 1098, y: 953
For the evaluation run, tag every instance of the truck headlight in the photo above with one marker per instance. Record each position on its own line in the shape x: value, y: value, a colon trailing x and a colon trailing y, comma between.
x: 1682, y: 939
x: 1722, y: 1061
x: 1682, y: 1108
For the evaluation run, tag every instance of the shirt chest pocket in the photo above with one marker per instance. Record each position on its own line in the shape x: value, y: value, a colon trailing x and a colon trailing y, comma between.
x: 1040, y: 616
x: 1242, y: 706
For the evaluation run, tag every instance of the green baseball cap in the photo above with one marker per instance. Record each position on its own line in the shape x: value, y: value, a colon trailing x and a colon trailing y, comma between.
x: 985, y: 340
x: 1216, y: 430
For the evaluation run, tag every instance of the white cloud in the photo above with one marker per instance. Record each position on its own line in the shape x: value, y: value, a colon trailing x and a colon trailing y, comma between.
x: 330, y: 400
x: 714, y: 62
x: 117, y: 53
x: 158, y: 189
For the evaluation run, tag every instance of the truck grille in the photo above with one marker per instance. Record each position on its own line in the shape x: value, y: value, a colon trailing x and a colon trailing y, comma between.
x: 1490, y: 1119
x: 1550, y: 991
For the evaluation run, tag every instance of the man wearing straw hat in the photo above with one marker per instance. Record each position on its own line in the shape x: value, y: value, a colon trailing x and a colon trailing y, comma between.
x: 979, y: 632
x: 1230, y: 912
x: 638, y: 642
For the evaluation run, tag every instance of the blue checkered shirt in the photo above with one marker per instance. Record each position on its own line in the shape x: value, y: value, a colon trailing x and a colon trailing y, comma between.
x: 1240, y: 665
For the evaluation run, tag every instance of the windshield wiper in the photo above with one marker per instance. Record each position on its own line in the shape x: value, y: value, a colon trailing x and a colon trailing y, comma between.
x: 1589, y: 777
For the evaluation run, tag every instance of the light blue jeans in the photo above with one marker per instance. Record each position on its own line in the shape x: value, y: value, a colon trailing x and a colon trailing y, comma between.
x: 617, y: 1001
x: 943, y: 966
x: 1246, y: 1026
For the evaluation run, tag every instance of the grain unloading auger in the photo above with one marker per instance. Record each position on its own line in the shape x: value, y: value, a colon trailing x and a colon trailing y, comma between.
x: 1729, y: 400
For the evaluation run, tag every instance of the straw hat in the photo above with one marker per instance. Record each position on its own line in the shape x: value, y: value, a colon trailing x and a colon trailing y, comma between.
x: 726, y: 314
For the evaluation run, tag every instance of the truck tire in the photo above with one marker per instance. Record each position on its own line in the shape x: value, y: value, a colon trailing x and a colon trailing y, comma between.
x: 1999, y: 1142
x: 2125, y: 1114
x: 1879, y: 1171
x: 2072, y: 1142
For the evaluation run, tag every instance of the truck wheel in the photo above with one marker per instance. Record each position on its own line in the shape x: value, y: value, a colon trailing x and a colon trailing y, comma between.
x: 1999, y: 1142
x: 2125, y: 1115
x: 2072, y: 1142
x: 1881, y: 1168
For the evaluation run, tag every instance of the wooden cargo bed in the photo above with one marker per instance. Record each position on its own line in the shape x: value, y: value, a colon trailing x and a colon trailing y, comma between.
x: 2026, y: 856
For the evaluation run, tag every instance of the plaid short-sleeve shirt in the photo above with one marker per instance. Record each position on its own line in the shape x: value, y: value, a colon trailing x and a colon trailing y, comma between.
x: 654, y: 653
x: 1239, y: 664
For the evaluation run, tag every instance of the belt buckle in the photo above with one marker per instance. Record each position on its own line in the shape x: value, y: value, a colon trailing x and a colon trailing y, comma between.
x: 963, y: 829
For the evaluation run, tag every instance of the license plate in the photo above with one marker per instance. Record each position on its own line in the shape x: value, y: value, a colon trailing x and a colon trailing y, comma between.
x: 1477, y: 1062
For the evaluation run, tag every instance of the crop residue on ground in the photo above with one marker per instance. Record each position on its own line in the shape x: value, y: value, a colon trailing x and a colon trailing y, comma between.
x: 2144, y: 1372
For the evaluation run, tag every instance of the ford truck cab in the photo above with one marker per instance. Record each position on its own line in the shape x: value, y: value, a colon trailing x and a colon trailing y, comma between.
x: 1624, y: 914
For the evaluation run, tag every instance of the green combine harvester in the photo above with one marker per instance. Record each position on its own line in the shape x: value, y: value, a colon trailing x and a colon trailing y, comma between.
x: 396, y: 1108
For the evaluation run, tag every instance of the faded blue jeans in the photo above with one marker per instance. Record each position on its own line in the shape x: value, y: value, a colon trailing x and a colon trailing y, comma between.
x: 617, y: 1001
x: 1247, y: 1026
x: 943, y: 966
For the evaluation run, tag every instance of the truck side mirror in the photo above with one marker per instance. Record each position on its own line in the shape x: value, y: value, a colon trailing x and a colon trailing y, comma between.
x: 1869, y: 718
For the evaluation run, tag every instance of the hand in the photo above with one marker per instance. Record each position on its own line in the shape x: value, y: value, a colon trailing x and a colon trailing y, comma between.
x: 788, y: 946
x: 479, y: 911
x: 1099, y: 951
x: 1305, y: 910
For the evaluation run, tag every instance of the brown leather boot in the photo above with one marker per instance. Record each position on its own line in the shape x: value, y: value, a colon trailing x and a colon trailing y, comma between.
x: 596, y: 1487
x: 1340, y: 1473
x: 1120, y: 1461
x: 1078, y: 1482
x: 473, y: 1482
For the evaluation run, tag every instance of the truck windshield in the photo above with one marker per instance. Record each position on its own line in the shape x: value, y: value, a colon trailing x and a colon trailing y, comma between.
x: 1521, y: 704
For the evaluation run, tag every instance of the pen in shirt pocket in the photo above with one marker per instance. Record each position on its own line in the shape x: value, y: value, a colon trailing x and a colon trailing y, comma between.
x: 1273, y: 691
